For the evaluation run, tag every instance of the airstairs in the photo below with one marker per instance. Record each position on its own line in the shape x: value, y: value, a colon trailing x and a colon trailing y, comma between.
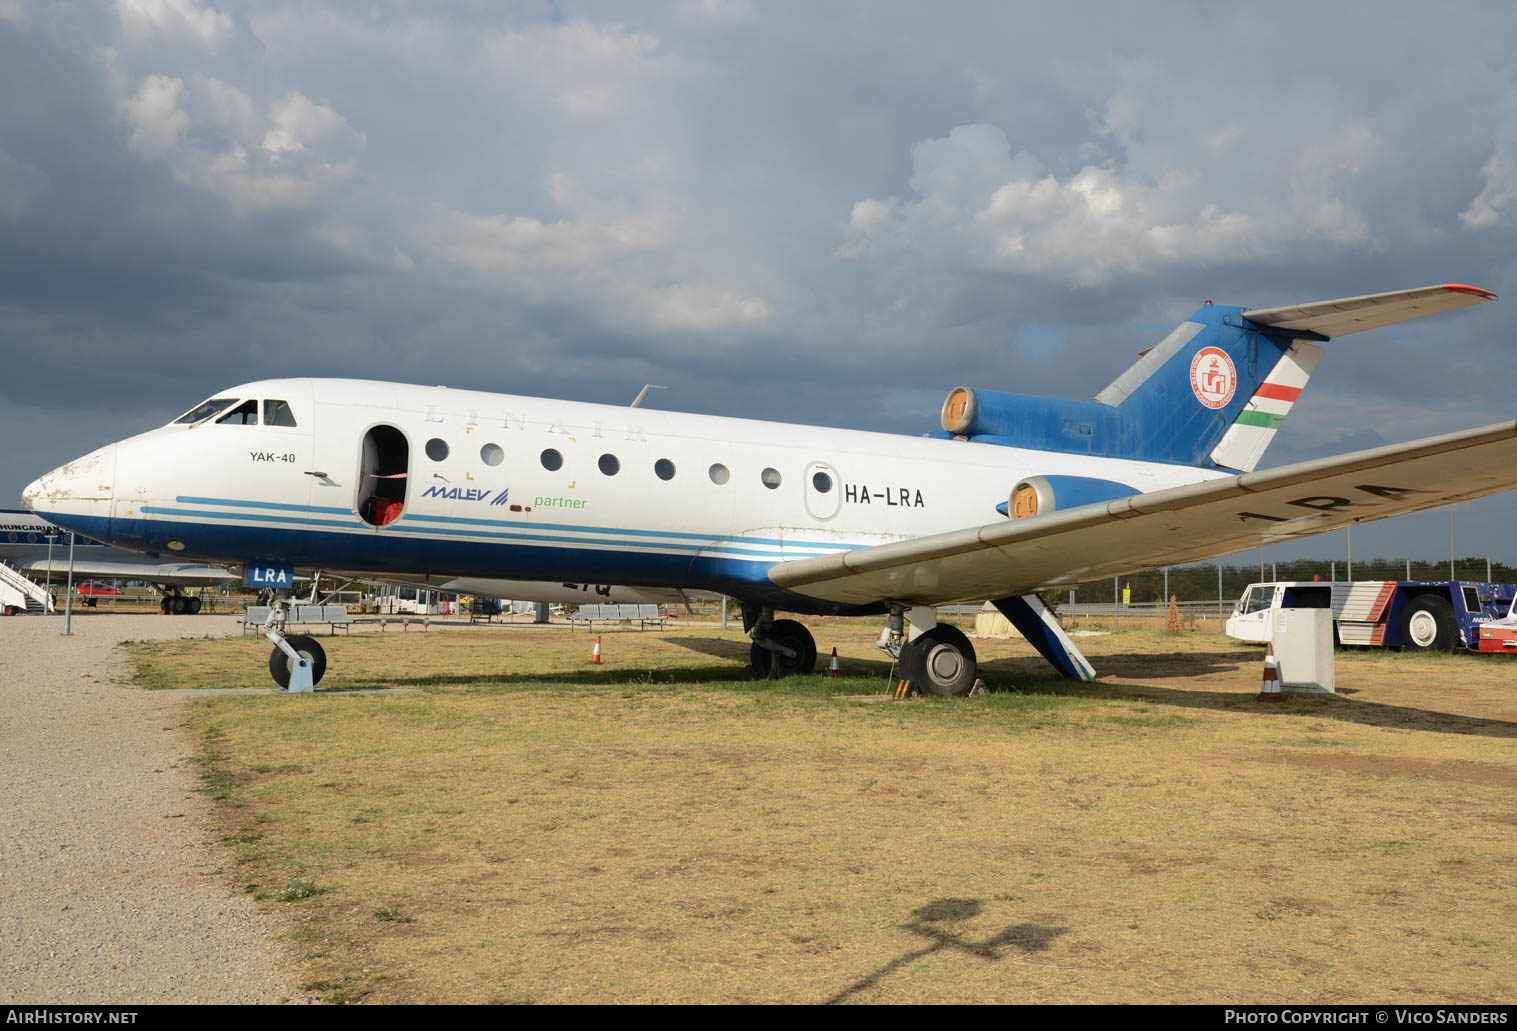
x: 19, y: 594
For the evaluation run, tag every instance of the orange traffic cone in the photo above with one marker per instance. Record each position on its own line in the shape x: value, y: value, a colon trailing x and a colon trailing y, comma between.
x: 832, y: 670
x: 595, y: 654
x: 1269, y: 687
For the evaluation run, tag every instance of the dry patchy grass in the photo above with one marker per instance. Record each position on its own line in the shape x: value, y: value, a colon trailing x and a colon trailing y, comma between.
x: 533, y: 828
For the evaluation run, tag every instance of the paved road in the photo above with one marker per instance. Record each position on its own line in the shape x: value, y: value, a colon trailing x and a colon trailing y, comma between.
x: 107, y: 890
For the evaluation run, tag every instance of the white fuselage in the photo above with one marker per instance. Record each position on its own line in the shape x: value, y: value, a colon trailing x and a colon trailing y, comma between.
x: 638, y: 496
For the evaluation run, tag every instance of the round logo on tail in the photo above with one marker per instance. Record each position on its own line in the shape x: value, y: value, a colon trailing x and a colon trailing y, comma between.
x: 1213, y: 378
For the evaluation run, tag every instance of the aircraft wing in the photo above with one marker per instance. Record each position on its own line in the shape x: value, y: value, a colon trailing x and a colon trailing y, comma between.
x: 1182, y: 524
x: 1370, y: 311
x: 168, y: 574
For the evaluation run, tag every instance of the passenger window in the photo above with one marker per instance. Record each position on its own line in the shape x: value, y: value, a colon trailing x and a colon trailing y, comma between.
x: 437, y: 449
x: 610, y: 465
x: 492, y: 454
x: 822, y: 482
x: 245, y: 414
x: 663, y: 469
x: 552, y: 460
x: 719, y: 473
x: 771, y: 478
x: 277, y: 413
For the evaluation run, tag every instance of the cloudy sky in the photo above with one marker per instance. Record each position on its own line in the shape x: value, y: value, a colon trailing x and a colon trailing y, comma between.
x: 828, y: 213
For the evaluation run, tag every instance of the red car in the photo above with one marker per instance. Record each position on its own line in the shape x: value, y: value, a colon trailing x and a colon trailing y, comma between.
x: 93, y: 590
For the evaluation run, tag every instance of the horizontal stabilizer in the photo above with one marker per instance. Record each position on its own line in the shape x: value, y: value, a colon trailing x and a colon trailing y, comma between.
x: 1371, y: 311
x: 1166, y: 527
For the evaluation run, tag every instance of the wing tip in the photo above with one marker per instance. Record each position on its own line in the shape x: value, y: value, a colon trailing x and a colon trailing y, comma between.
x: 1465, y: 288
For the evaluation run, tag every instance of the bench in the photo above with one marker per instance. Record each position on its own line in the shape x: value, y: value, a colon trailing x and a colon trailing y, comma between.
x: 642, y: 615
x: 650, y: 614
x: 334, y: 617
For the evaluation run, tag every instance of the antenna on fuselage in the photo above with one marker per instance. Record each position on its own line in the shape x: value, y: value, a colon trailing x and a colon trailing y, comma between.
x: 644, y: 393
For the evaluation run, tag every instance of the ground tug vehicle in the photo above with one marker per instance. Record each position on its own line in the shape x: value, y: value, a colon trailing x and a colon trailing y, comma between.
x: 1419, y: 615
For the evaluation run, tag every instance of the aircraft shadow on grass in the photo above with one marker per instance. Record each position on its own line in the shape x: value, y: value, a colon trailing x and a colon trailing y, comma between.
x: 1025, y: 676
x: 937, y: 922
x: 1030, y: 676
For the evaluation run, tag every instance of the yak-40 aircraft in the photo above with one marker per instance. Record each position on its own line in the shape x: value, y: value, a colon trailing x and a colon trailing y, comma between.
x: 1014, y: 494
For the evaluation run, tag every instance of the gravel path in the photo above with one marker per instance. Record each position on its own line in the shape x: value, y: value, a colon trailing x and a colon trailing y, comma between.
x: 107, y: 853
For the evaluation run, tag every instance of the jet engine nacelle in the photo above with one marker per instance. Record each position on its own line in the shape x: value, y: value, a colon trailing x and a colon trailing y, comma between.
x: 970, y: 412
x: 1040, y: 495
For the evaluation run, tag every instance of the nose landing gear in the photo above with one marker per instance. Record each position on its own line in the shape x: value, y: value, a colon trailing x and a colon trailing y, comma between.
x: 283, y: 668
x: 297, y: 663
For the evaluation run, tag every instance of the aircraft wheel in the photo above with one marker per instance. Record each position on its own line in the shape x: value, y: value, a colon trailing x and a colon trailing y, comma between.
x: 281, y: 668
x: 1428, y: 624
x: 941, y: 662
x: 792, y: 635
x: 163, y: 604
x: 194, y: 606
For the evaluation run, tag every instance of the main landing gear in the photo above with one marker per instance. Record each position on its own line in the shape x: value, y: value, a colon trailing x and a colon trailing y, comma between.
x: 781, y: 647
x: 935, y: 657
x: 177, y: 603
x: 297, y: 662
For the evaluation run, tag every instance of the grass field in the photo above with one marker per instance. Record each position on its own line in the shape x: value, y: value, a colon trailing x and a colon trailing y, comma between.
x: 531, y: 828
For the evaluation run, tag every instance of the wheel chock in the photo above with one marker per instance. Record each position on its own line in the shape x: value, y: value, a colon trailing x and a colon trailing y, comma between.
x: 903, y: 691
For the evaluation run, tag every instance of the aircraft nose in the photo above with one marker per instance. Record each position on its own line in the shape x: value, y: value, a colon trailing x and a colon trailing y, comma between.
x: 81, y: 490
x: 32, y: 494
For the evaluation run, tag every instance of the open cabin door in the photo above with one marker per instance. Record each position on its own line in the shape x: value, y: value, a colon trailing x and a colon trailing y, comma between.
x: 384, y: 476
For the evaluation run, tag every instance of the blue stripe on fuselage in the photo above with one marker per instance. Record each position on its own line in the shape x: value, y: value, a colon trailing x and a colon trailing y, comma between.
x: 718, y: 543
x: 819, y: 546
x: 279, y: 506
x: 547, y: 559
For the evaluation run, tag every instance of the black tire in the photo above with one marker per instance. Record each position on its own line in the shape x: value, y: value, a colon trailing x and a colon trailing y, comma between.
x: 194, y: 606
x: 163, y: 604
x: 793, y: 636
x: 1428, y: 625
x: 280, y: 665
x: 11, y: 610
x: 940, y: 662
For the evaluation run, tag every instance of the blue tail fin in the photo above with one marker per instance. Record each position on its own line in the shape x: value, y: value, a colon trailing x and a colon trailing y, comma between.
x: 1212, y: 394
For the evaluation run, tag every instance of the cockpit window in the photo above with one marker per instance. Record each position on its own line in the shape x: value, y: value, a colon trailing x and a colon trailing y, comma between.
x: 245, y: 414
x: 205, y: 410
x: 277, y: 413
